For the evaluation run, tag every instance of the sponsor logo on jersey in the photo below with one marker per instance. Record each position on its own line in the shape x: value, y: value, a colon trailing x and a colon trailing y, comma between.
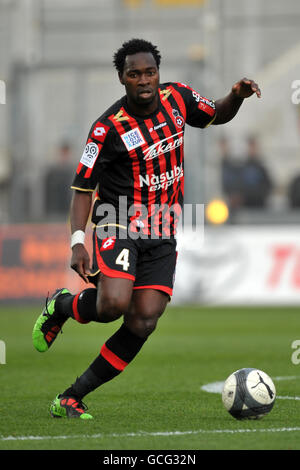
x: 159, y: 126
x: 162, y: 181
x: 90, y: 154
x: 108, y: 243
x: 133, y: 139
x: 163, y: 146
x: 201, y: 99
x: 99, y: 132
x: 208, y: 106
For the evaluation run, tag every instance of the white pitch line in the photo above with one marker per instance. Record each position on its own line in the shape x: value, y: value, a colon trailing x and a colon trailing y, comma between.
x: 288, y: 398
x: 149, y: 434
x: 217, y: 387
x: 214, y: 387
x: 287, y: 377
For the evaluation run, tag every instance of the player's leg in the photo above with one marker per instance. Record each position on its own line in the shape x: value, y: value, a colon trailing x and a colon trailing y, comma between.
x: 103, y: 304
x: 116, y: 260
x: 112, y: 259
x: 146, y: 308
x: 121, y: 348
x: 109, y: 307
x: 140, y: 319
x: 114, y: 355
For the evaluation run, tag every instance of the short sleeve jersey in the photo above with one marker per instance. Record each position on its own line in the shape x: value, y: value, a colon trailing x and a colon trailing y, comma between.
x: 140, y: 160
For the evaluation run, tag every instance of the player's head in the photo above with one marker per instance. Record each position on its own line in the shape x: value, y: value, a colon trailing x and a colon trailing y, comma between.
x: 134, y: 46
x: 137, y: 63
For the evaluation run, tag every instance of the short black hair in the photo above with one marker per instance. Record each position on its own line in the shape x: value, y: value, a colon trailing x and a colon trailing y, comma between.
x: 133, y: 46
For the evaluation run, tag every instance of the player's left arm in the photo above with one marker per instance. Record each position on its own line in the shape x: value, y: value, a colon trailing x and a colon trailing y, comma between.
x: 227, y: 108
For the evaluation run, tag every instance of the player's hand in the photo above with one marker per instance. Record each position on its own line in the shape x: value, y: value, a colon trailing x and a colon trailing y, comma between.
x: 80, y: 261
x: 245, y: 88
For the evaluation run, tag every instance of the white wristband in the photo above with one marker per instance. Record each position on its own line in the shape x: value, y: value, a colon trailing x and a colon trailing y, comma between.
x: 77, y: 237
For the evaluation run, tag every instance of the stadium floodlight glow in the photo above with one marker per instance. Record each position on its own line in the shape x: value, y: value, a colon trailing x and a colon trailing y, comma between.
x: 217, y: 212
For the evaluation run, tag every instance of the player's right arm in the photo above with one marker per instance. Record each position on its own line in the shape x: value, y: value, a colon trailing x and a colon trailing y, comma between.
x: 84, y: 184
x: 80, y: 209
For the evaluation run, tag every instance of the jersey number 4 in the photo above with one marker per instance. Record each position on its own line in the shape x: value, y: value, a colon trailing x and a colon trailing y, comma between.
x: 123, y: 259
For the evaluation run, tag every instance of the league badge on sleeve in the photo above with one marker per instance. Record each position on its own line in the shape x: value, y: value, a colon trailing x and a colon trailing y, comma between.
x: 90, y: 154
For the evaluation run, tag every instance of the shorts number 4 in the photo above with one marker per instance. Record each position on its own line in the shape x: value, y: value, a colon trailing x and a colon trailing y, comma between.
x: 123, y: 259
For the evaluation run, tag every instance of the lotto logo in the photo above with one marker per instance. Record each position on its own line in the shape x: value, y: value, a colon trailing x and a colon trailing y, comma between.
x: 108, y: 243
x: 99, y: 131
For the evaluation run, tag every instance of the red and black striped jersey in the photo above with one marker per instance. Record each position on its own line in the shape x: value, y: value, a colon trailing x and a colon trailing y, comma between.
x: 140, y: 160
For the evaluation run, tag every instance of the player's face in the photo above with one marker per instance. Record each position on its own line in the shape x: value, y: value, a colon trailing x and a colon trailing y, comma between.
x: 141, y: 80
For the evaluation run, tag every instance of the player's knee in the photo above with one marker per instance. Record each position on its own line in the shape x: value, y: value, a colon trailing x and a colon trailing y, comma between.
x: 148, y: 325
x: 110, y: 308
x: 145, y: 322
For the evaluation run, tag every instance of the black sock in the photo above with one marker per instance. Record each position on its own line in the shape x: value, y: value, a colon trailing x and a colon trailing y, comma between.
x: 81, y: 307
x: 118, y: 351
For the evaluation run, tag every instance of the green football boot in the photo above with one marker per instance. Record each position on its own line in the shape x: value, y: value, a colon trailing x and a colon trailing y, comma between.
x: 48, y: 324
x: 68, y: 407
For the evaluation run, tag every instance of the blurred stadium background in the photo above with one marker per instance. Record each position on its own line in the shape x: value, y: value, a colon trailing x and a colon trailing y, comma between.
x: 56, y: 64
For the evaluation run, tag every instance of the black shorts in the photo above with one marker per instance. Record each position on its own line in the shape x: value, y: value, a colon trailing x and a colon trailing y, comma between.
x: 149, y: 263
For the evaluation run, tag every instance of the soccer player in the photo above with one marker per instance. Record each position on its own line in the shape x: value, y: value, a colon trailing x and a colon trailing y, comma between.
x: 133, y: 160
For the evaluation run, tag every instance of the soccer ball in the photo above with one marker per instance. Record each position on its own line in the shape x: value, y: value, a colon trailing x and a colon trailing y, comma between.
x: 248, y: 394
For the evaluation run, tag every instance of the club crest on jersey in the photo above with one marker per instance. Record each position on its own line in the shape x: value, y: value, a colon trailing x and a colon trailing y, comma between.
x: 90, y: 154
x: 179, y: 121
x: 133, y: 139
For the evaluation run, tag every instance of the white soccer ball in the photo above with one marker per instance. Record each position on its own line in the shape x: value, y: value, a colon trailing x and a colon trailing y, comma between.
x: 248, y: 394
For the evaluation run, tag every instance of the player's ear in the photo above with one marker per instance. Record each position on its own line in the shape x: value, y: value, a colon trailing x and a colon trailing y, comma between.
x: 121, y: 78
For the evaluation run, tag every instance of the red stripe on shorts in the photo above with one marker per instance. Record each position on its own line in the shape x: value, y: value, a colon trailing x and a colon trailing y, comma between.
x: 165, y: 289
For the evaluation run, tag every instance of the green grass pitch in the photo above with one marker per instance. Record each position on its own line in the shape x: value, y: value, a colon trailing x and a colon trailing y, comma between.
x: 157, y: 402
